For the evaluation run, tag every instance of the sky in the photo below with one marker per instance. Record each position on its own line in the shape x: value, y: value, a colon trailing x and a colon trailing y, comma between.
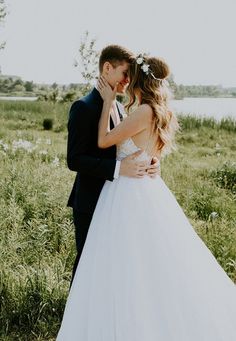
x: 195, y: 37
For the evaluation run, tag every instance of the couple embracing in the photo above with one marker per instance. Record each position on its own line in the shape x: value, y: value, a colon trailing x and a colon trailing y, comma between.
x: 141, y: 272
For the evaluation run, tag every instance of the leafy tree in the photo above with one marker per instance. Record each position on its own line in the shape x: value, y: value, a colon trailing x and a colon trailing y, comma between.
x: 172, y: 84
x: 29, y: 86
x: 69, y: 96
x: 88, y: 61
x: 43, y: 88
x: 54, y: 86
x: 53, y: 95
x: 5, y: 85
x: 16, y: 85
x: 73, y: 86
x: 2, y: 16
x: 19, y: 88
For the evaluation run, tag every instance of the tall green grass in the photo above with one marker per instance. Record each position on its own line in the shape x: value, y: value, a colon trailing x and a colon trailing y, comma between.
x: 189, y: 122
x: 30, y: 115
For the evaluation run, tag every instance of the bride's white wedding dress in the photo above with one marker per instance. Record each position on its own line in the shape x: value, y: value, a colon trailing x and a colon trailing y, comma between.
x: 144, y: 274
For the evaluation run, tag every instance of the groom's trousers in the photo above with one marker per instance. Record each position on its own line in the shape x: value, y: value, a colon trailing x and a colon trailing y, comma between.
x: 81, y: 222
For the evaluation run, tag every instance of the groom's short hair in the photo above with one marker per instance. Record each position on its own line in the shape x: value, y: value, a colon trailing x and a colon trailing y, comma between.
x: 115, y: 55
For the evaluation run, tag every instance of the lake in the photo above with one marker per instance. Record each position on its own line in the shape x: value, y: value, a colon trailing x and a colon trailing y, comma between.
x: 215, y: 107
x: 8, y: 98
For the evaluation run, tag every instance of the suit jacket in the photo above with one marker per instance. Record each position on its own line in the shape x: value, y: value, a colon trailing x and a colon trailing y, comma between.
x: 93, y: 165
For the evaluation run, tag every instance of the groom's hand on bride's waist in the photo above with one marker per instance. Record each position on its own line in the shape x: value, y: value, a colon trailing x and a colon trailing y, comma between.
x: 138, y: 169
x: 154, y: 168
x: 133, y: 168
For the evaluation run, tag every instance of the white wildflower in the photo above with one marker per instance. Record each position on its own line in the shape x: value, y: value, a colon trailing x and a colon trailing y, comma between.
x: 43, y: 152
x: 23, y: 144
x: 59, y: 98
x: 48, y: 141
x: 38, y: 141
x: 56, y: 162
x: 3, y: 153
x: 213, y: 215
x: 4, y: 145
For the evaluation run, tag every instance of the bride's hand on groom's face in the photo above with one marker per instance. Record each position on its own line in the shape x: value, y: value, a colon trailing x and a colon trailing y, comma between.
x: 105, y: 90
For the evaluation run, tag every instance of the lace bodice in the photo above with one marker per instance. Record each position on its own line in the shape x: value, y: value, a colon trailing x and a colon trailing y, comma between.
x: 128, y: 147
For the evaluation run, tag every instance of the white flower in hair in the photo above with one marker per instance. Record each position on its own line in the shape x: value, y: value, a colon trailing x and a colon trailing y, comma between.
x: 145, y: 68
x: 139, y: 60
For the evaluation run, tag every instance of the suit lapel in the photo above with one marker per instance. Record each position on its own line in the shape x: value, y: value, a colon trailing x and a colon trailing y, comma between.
x: 95, y: 94
x: 118, y: 106
x: 111, y: 123
x: 99, y: 102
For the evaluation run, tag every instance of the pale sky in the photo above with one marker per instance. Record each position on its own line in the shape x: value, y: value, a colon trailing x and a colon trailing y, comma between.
x: 196, y: 37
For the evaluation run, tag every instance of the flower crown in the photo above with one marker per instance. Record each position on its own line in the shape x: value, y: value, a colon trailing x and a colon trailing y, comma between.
x: 146, y: 68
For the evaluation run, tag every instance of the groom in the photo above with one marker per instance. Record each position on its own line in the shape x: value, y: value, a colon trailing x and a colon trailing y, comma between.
x: 94, y: 165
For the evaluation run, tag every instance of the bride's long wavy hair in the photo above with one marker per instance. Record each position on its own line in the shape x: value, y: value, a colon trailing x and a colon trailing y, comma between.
x: 154, y: 91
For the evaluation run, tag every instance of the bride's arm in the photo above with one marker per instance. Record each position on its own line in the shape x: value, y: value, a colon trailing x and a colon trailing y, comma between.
x: 132, y: 125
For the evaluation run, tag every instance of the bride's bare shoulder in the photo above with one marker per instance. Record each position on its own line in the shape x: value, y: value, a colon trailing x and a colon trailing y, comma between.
x: 144, y: 111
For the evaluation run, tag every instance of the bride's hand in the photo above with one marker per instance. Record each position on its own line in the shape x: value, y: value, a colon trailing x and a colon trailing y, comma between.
x: 105, y: 90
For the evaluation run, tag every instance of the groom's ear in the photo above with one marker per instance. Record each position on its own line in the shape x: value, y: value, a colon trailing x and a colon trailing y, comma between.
x: 107, y: 67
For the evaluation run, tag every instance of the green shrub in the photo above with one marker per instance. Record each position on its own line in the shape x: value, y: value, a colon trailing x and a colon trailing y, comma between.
x: 47, y: 124
x: 225, y: 176
x: 202, y: 203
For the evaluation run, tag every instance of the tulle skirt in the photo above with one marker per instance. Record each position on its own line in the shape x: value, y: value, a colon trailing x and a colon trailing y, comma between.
x: 145, y: 275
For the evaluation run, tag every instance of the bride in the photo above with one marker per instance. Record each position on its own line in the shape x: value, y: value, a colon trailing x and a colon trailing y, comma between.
x: 144, y: 274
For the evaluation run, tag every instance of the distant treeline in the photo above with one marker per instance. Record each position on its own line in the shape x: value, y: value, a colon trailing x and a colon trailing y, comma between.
x: 57, y: 92
x: 15, y: 86
x: 181, y: 91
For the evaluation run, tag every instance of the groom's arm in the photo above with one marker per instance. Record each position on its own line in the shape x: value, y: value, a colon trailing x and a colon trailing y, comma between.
x: 79, y: 139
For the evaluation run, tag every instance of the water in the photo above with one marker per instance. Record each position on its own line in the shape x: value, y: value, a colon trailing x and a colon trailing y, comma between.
x: 214, y: 107
x: 18, y: 98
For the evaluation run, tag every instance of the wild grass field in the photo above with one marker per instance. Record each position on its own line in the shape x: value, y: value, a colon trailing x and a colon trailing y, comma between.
x: 36, y: 231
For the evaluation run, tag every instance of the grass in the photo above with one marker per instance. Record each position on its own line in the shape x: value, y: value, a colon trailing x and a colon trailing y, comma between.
x: 190, y: 122
x: 36, y: 231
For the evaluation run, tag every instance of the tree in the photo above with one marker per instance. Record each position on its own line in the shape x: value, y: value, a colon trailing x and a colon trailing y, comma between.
x: 2, y: 16
x: 88, y: 60
x: 29, y: 86
x: 19, y: 88
x: 54, y: 86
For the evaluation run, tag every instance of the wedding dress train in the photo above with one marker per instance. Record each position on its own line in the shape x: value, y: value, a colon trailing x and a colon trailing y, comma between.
x: 144, y: 274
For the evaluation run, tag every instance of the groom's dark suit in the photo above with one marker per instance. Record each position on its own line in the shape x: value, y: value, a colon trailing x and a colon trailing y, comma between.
x: 92, y: 164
